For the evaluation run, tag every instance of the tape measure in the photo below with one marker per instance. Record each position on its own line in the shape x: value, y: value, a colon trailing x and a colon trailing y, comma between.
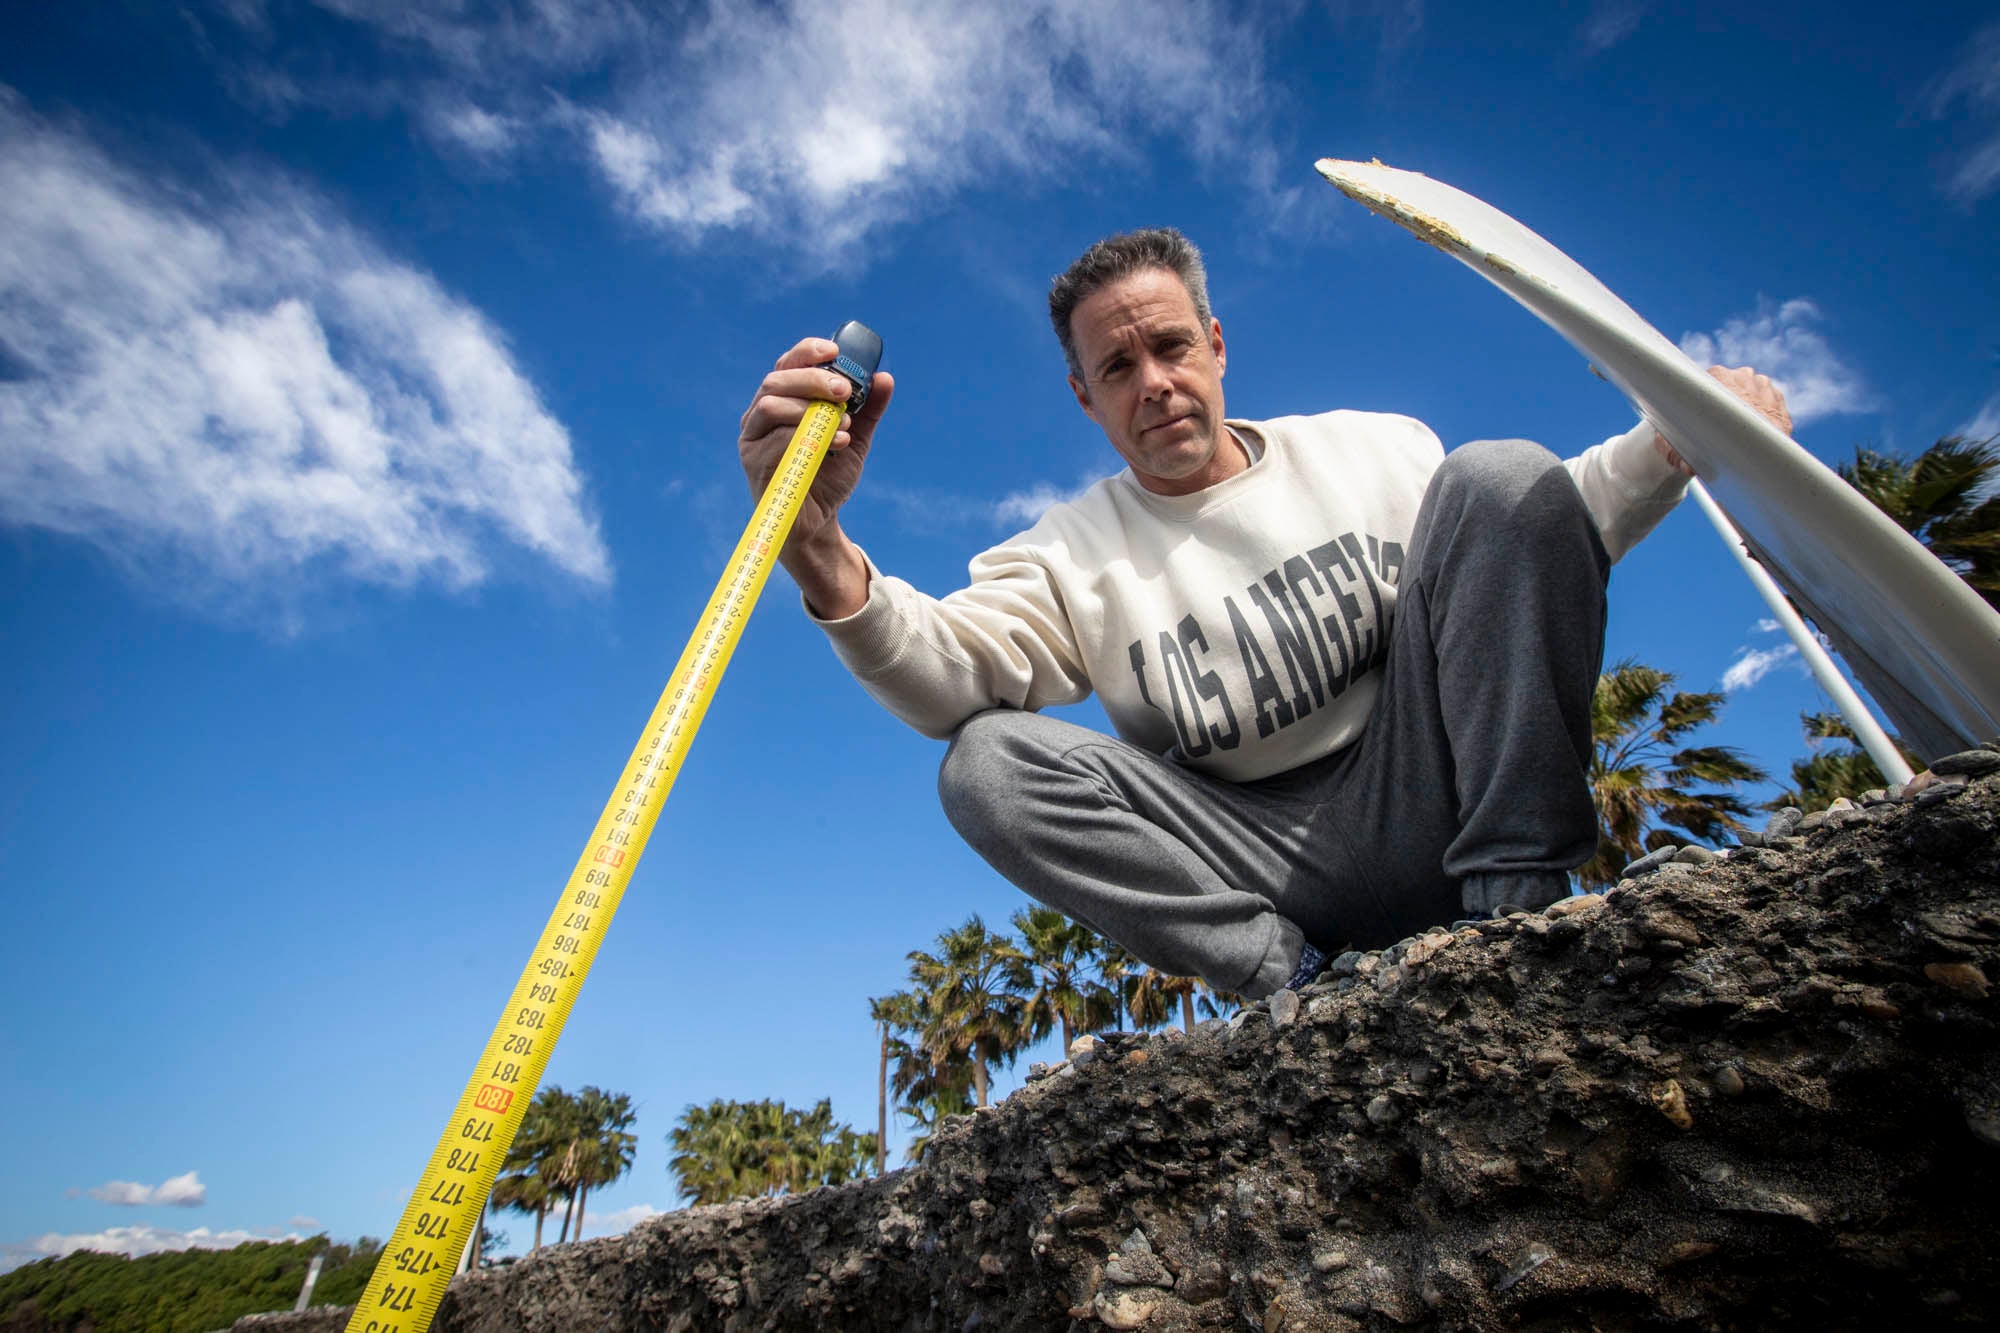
x: 437, y: 1226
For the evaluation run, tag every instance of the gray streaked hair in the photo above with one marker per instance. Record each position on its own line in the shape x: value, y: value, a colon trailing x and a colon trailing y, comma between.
x: 1117, y: 257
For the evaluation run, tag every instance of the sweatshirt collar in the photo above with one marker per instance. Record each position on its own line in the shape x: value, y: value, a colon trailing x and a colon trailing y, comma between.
x: 1184, y: 508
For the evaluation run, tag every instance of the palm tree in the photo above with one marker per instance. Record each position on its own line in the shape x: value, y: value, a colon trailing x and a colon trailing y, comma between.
x: 711, y: 1159
x: 1644, y: 787
x: 525, y: 1192
x: 971, y: 991
x: 1153, y: 995
x: 1219, y: 1003
x: 1147, y: 998
x: 542, y: 1150
x: 605, y: 1143
x: 740, y: 1150
x: 1936, y: 498
x: 927, y: 1092
x: 1114, y: 967
x: 1059, y: 954
x: 893, y: 1014
x: 949, y: 1096
x: 1829, y: 773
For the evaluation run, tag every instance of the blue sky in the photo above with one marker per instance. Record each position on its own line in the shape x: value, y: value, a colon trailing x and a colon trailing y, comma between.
x: 369, y: 377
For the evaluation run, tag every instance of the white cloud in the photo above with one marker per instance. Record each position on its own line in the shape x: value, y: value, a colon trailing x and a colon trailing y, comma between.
x: 247, y: 390
x: 1780, y: 341
x: 1610, y: 22
x: 473, y: 129
x: 1022, y: 508
x: 721, y: 119
x: 1974, y: 81
x: 303, y: 1223
x: 619, y: 1222
x: 133, y: 1241
x: 729, y: 137
x: 184, y: 1191
x: 1985, y: 425
x: 929, y: 510
x: 1753, y: 664
x: 1767, y: 626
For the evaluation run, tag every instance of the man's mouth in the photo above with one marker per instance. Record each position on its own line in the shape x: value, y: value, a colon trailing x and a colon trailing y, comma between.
x: 1162, y: 425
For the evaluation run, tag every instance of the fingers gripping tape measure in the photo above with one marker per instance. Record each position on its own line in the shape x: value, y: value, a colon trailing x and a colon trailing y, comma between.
x: 423, y: 1252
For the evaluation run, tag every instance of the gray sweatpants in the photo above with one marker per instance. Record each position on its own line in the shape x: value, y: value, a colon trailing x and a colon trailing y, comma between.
x: 1472, y: 768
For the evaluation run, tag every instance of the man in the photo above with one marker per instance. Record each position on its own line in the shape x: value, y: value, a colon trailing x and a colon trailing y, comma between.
x: 1351, y: 675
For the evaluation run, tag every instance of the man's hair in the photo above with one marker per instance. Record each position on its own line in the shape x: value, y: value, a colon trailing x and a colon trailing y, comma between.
x: 1117, y: 257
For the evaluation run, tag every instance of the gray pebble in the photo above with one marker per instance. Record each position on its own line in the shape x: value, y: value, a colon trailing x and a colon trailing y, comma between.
x: 1284, y: 1008
x: 1782, y: 823
x: 1935, y: 795
x: 1696, y: 856
x: 1812, y: 821
x: 1750, y: 838
x: 1382, y: 1110
x: 1972, y: 763
x: 1344, y: 965
x: 1650, y: 861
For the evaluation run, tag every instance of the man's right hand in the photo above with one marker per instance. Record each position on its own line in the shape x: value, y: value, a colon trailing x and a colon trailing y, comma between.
x: 828, y: 567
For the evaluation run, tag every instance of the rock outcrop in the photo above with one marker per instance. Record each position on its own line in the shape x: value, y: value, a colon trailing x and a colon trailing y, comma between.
x: 1750, y: 1092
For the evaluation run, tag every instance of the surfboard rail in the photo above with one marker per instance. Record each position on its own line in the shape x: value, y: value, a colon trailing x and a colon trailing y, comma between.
x: 1923, y: 643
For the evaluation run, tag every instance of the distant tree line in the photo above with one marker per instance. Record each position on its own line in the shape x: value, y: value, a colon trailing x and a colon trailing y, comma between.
x: 182, y: 1291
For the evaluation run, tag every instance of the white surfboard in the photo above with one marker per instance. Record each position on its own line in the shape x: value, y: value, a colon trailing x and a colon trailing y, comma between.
x: 1924, y: 644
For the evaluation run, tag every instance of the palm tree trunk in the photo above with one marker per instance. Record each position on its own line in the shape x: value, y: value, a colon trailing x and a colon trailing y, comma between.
x: 882, y: 1107
x: 541, y: 1213
x: 1069, y: 1035
x: 569, y: 1209
x: 1187, y: 1011
x: 582, y: 1195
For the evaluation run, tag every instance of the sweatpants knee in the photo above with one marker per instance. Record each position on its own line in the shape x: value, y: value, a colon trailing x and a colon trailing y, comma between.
x: 1498, y: 472
x: 981, y: 766
x: 1509, y: 491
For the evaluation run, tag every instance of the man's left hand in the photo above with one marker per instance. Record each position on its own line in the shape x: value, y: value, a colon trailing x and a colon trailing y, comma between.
x: 1754, y: 389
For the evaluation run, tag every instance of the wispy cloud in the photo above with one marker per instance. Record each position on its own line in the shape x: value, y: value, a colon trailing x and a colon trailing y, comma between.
x: 933, y: 511
x: 712, y: 127
x: 1610, y: 22
x: 1753, y: 664
x: 185, y: 1191
x: 619, y: 1222
x: 730, y: 139
x: 1985, y: 424
x: 1782, y: 341
x: 133, y: 1241
x: 235, y: 383
x: 1974, y: 83
x: 1024, y: 507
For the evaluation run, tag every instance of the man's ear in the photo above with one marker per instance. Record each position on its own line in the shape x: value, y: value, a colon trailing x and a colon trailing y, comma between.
x: 1082, y: 398
x: 1215, y: 345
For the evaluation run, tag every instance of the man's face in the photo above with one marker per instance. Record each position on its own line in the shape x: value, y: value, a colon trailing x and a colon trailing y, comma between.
x: 1152, y: 381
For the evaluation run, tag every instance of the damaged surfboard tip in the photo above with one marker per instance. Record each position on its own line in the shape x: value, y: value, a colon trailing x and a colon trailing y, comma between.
x: 1429, y: 230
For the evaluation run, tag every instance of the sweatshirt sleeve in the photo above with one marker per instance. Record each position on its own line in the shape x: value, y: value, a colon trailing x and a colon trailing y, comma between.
x: 1003, y: 641
x: 1627, y: 486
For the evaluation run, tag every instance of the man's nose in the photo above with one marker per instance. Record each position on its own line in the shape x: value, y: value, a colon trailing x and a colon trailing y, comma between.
x: 1154, y: 382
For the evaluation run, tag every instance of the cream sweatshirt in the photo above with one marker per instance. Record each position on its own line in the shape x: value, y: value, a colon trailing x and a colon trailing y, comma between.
x: 1242, y: 628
